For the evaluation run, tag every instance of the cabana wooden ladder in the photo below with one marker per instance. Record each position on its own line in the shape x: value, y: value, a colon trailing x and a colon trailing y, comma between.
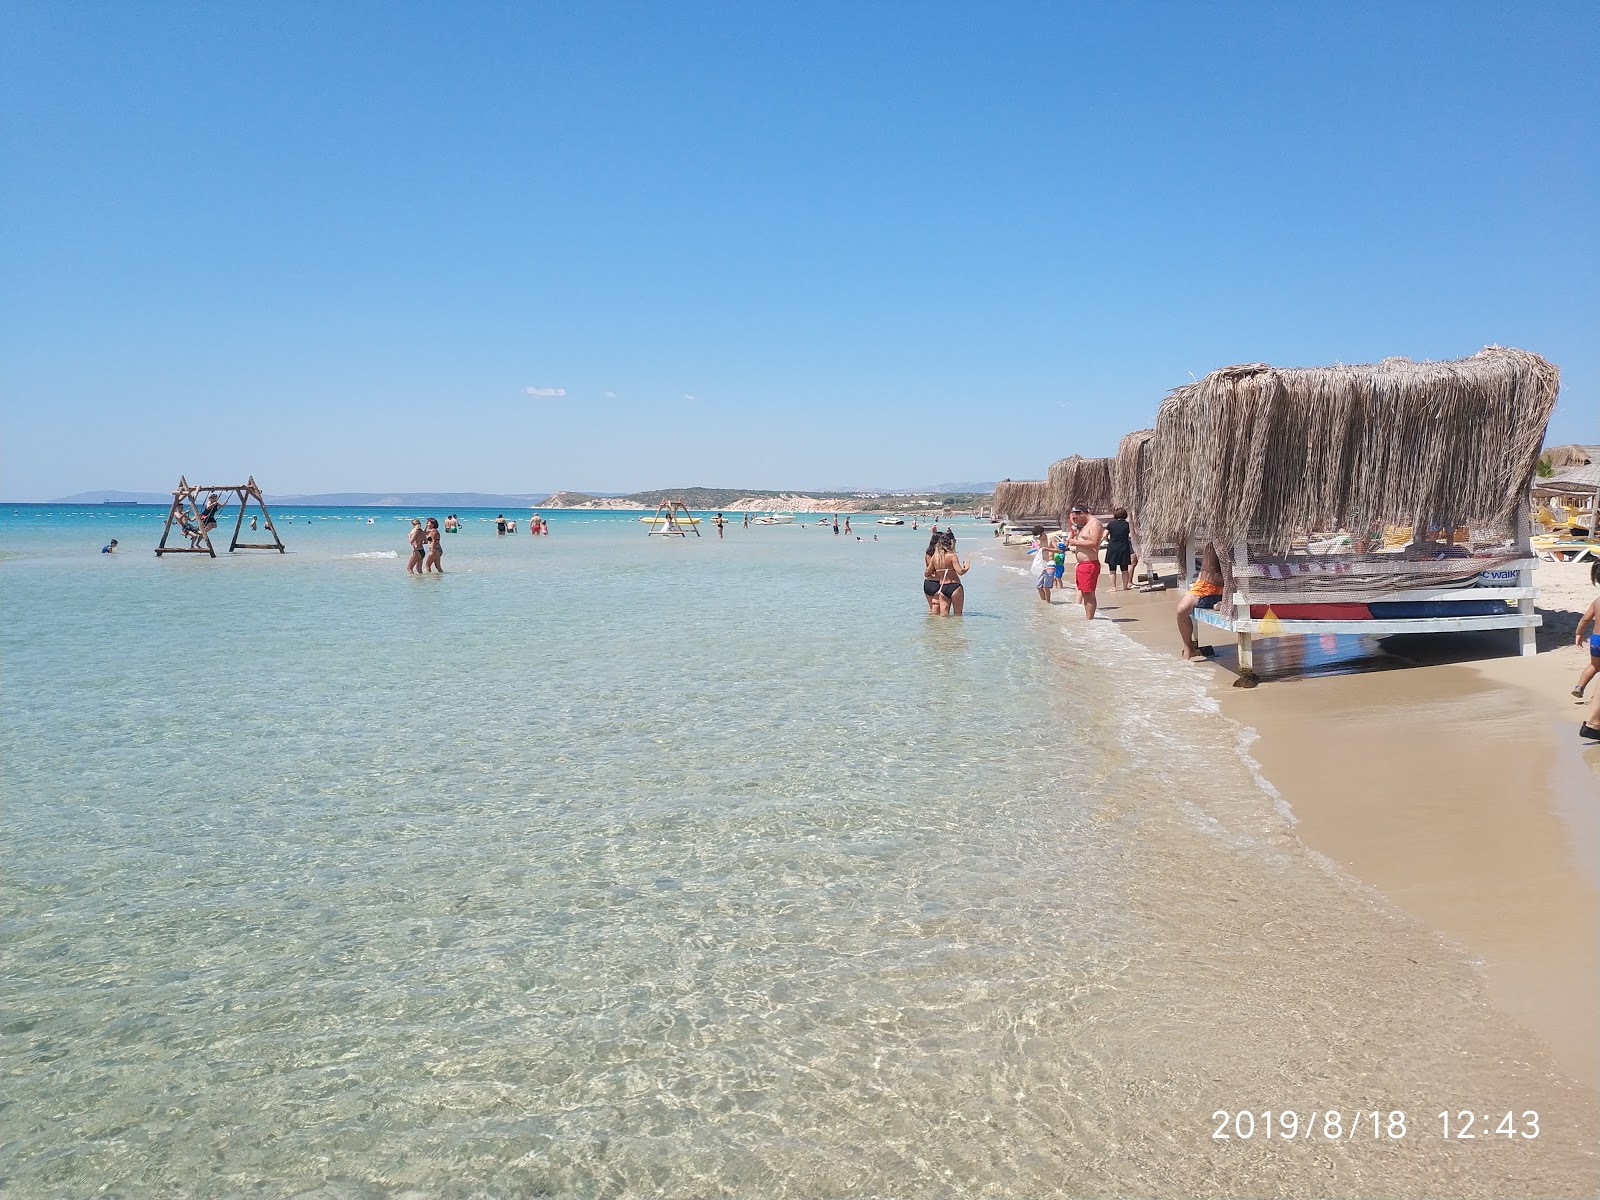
x: 187, y: 513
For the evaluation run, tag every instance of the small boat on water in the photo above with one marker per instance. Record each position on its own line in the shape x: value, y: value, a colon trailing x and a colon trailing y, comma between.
x: 891, y: 521
x: 775, y: 519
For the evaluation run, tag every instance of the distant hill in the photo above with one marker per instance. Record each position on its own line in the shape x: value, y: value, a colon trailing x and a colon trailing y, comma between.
x: 951, y: 495
x: 751, y: 499
x: 118, y: 497
x: 413, y: 499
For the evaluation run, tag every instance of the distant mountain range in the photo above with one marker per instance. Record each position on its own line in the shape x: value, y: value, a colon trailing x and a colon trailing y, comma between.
x: 645, y: 499
x: 338, y: 499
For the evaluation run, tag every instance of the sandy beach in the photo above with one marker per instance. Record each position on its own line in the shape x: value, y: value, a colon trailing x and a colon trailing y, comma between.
x: 1445, y: 772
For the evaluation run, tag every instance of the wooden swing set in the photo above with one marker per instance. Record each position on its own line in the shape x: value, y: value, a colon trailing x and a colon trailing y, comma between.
x: 196, y: 524
x: 673, y: 519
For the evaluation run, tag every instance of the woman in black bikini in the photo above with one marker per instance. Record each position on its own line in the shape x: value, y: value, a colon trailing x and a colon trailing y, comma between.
x: 949, y: 569
x: 930, y: 584
x: 415, y: 540
x: 435, y: 544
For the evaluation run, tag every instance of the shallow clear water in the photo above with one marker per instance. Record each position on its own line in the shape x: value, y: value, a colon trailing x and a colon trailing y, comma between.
x: 617, y: 865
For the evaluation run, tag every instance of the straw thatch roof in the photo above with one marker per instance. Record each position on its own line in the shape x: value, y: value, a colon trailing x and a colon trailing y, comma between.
x: 1085, y: 481
x: 1580, y: 481
x: 1016, y: 499
x: 1562, y: 457
x: 1130, y: 470
x: 1284, y: 451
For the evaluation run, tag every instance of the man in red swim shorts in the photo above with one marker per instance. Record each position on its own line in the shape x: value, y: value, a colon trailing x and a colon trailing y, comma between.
x: 1087, y: 534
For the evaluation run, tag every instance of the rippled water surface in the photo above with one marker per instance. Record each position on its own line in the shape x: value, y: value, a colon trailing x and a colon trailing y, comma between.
x: 609, y: 865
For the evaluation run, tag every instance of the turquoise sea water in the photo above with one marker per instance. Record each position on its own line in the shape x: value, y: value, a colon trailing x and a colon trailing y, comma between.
x: 611, y: 865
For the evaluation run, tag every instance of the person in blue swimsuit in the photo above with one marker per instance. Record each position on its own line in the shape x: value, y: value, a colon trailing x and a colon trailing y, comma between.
x: 1589, y: 624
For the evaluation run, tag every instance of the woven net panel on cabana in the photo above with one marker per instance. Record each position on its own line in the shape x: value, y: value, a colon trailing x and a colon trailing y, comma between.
x: 1085, y: 481
x: 1023, y: 499
x: 1280, y: 453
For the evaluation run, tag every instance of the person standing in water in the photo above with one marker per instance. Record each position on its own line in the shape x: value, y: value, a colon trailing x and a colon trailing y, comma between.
x: 1044, y: 565
x: 1084, y: 542
x: 417, y: 541
x: 719, y: 523
x: 930, y: 577
x: 435, y: 544
x: 948, y: 569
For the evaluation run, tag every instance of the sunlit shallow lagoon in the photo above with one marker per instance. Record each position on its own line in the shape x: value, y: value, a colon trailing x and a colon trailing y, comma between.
x: 615, y: 865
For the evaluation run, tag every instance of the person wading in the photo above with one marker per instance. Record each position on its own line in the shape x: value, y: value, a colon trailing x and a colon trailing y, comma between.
x: 1087, y: 534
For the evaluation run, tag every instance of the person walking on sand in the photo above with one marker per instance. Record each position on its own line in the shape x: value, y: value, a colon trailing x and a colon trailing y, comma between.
x: 1084, y: 541
x: 1204, y: 592
x: 435, y: 544
x: 949, y: 569
x: 1589, y: 624
x: 417, y: 541
x: 1119, y: 550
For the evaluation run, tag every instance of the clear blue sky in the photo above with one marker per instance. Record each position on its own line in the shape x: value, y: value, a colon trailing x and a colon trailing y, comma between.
x: 336, y: 245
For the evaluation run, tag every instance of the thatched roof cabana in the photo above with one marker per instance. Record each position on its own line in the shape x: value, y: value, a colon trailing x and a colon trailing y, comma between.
x: 1130, y: 470
x: 1020, y: 499
x: 1573, y: 455
x: 1579, y: 481
x: 1085, y: 481
x: 1278, y: 452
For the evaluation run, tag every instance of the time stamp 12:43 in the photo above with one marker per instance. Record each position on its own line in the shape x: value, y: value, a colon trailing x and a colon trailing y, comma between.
x: 1344, y: 1125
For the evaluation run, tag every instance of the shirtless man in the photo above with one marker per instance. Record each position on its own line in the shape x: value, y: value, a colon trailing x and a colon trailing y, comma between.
x: 1084, y: 541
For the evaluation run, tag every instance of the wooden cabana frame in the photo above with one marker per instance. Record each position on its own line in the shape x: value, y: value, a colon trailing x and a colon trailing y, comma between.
x: 186, y: 494
x: 1252, y: 458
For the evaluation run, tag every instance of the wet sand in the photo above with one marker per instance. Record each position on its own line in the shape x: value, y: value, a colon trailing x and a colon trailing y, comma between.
x: 1454, y: 784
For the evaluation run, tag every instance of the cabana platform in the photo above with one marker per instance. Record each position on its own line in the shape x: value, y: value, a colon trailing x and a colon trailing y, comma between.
x: 1466, y: 597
